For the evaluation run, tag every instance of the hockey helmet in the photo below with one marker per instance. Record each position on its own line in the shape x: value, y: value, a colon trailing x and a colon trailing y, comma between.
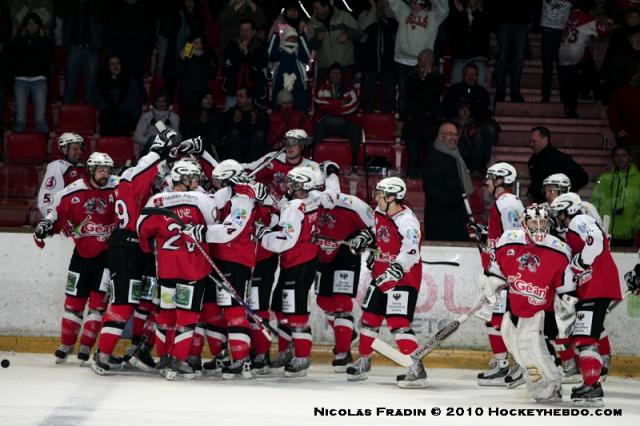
x: 98, y: 159
x: 184, y: 171
x: 296, y: 137
x: 301, y: 178
x: 560, y: 181
x: 392, y: 186
x: 569, y: 203
x: 502, y: 170
x: 226, y: 170
x: 67, y: 138
x: 536, y: 221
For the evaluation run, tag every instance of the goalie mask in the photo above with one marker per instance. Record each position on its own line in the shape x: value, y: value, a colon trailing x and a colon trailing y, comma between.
x: 536, y: 222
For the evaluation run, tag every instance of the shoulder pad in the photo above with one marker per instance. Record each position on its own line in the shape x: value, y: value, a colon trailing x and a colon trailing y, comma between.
x: 557, y: 244
x: 582, y: 224
x: 513, y: 236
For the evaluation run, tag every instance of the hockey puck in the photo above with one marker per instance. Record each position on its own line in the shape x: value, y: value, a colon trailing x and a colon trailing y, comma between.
x: 5, y: 363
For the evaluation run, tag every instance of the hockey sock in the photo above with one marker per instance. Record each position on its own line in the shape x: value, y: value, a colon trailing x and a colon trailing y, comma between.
x: 604, y: 344
x: 498, y: 347
x: 215, y: 327
x: 258, y: 340
x: 198, y: 341
x: 403, y: 334
x: 93, y: 321
x: 368, y: 332
x: 284, y: 333
x: 343, y: 331
x: 239, y: 332
x: 301, y: 334
x: 326, y: 304
x: 112, y: 326
x: 590, y: 363
x: 165, y: 320
x: 185, y: 327
x: 72, y: 319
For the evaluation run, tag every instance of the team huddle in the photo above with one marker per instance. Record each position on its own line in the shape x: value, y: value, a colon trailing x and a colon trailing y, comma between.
x: 195, y: 251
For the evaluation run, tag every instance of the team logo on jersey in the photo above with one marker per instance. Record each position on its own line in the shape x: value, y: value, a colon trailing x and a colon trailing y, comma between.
x: 326, y: 220
x: 528, y: 261
x: 158, y: 202
x: 584, y: 228
x: 383, y: 234
x: 279, y: 179
x: 95, y: 205
x: 51, y: 182
x: 536, y: 296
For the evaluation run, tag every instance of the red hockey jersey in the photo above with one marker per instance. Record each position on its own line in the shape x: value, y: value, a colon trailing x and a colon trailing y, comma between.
x: 275, y: 173
x: 534, y: 272
x: 86, y: 214
x: 398, y: 240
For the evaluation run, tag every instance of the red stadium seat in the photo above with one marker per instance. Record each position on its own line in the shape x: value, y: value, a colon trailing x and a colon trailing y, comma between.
x: 26, y: 148
x: 120, y: 149
x: 378, y: 150
x: 18, y: 181
x: 340, y: 152
x: 13, y: 214
x: 78, y: 118
x: 378, y: 127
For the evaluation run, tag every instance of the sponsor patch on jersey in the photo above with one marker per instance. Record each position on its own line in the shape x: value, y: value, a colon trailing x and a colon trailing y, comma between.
x: 289, y: 230
x: 513, y: 219
x: 158, y: 202
x: 135, y: 291
x: 528, y: 261
x: 223, y: 298
x: 511, y: 252
x: 184, y: 296
x: 239, y: 216
x: 51, y: 182
x: 289, y: 301
x: 167, y: 298
x: 343, y: 282
x: 326, y: 220
x: 75, y: 200
x: 397, y: 303
x: 536, y: 296
x: 72, y: 283
x: 582, y: 326
x: 583, y: 228
x: 413, y: 235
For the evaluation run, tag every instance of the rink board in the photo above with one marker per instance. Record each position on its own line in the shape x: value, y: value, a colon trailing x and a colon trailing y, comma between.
x: 32, y: 287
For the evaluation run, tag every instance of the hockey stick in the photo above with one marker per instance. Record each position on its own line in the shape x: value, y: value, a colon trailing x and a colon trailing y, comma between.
x: 265, y: 327
x: 265, y: 163
x: 433, y: 342
x: 615, y: 303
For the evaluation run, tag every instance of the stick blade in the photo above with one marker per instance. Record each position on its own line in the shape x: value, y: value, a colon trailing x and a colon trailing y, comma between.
x: 393, y: 354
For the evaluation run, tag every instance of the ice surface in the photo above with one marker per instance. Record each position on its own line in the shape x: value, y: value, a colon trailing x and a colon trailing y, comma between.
x: 33, y: 390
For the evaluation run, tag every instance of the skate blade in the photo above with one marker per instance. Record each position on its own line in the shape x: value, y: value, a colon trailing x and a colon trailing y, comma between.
x: 60, y: 360
x: 265, y: 371
x: 292, y: 374
x: 174, y: 376
x: 140, y: 366
x: 492, y: 382
x: 588, y: 402
x: 552, y: 400
x: 99, y: 370
x: 340, y: 368
x: 572, y: 380
x: 233, y: 376
x: 357, y: 377
x: 415, y: 384
x: 517, y: 383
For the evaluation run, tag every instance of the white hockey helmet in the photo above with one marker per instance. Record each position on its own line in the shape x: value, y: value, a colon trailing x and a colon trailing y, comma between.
x: 296, y: 137
x: 536, y: 221
x: 227, y: 169
x: 318, y: 179
x: 67, y: 138
x: 184, y: 171
x: 392, y: 186
x: 98, y: 159
x: 569, y: 203
x: 559, y: 180
x: 502, y: 170
x: 302, y: 178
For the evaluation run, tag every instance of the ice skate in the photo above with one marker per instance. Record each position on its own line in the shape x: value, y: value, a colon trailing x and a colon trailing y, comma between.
x: 216, y: 364
x: 341, y: 362
x: 588, y: 396
x: 177, y: 370
x: 297, y: 367
x: 416, y: 377
x: 515, y: 377
x: 571, y: 373
x: 195, y: 362
x: 104, y: 364
x: 359, y: 370
x: 142, y: 359
x: 260, y: 364
x: 495, y: 375
x: 62, y: 353
x: 240, y: 369
x: 282, y: 359
x: 84, y: 352
x: 606, y: 363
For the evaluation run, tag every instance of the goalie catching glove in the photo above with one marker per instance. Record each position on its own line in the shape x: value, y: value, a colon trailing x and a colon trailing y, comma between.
x: 632, y: 279
x: 384, y: 282
x: 487, y: 288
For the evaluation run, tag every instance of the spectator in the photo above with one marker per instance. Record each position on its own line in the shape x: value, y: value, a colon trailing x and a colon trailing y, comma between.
x: 547, y: 160
x: 118, y: 99
x: 130, y: 33
x: 285, y: 118
x: 82, y: 41
x: 470, y: 28
x: 554, y: 17
x: 290, y: 53
x: 617, y: 194
x: 625, y: 63
x: 336, y: 103
x: 479, y: 99
x: 160, y: 111
x: 445, y: 181
x: 578, y: 72
x: 513, y: 25
x: 290, y: 16
x: 236, y: 12
x: 196, y: 67
x: 624, y: 114
x: 417, y: 30
x: 474, y: 149
x: 246, y: 128
x: 204, y: 121
x: 426, y: 85
x: 244, y: 61
x: 31, y: 54
x: 377, y: 49
x: 331, y: 34
x: 21, y: 8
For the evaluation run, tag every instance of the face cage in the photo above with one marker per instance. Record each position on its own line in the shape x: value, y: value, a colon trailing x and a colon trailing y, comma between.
x: 187, y: 179
x: 537, y: 229
x: 294, y: 185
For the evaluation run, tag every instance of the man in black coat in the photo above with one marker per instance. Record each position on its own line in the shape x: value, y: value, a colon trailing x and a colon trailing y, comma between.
x: 547, y: 160
x: 445, y: 180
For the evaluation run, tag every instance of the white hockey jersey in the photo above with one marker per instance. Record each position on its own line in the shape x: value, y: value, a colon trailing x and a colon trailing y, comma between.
x: 578, y: 32
x: 59, y: 174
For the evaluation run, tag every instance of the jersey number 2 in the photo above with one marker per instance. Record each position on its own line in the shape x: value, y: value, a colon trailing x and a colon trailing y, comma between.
x: 169, y: 244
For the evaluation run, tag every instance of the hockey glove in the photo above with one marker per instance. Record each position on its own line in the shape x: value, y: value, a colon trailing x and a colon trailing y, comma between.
x: 478, y: 231
x: 260, y: 191
x: 581, y: 271
x: 196, y: 232
x: 329, y: 167
x: 633, y: 280
x: 164, y: 141
x: 564, y: 306
x: 261, y: 230
x: 361, y: 241
x: 191, y: 146
x: 371, y: 259
x: 385, y: 281
x: 43, y: 229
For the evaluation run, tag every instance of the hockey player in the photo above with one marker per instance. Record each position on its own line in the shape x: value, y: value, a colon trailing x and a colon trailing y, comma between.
x: 632, y: 278
x: 84, y: 210
x: 298, y: 261
x: 503, y: 216
x: 126, y: 260
x: 339, y: 267
x: 396, y: 276
x: 532, y: 263
x: 181, y: 268
x: 61, y: 173
x: 234, y: 250
x: 559, y: 183
x: 596, y: 277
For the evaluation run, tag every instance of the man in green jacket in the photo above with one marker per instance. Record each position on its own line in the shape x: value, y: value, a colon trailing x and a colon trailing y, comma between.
x: 617, y: 194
